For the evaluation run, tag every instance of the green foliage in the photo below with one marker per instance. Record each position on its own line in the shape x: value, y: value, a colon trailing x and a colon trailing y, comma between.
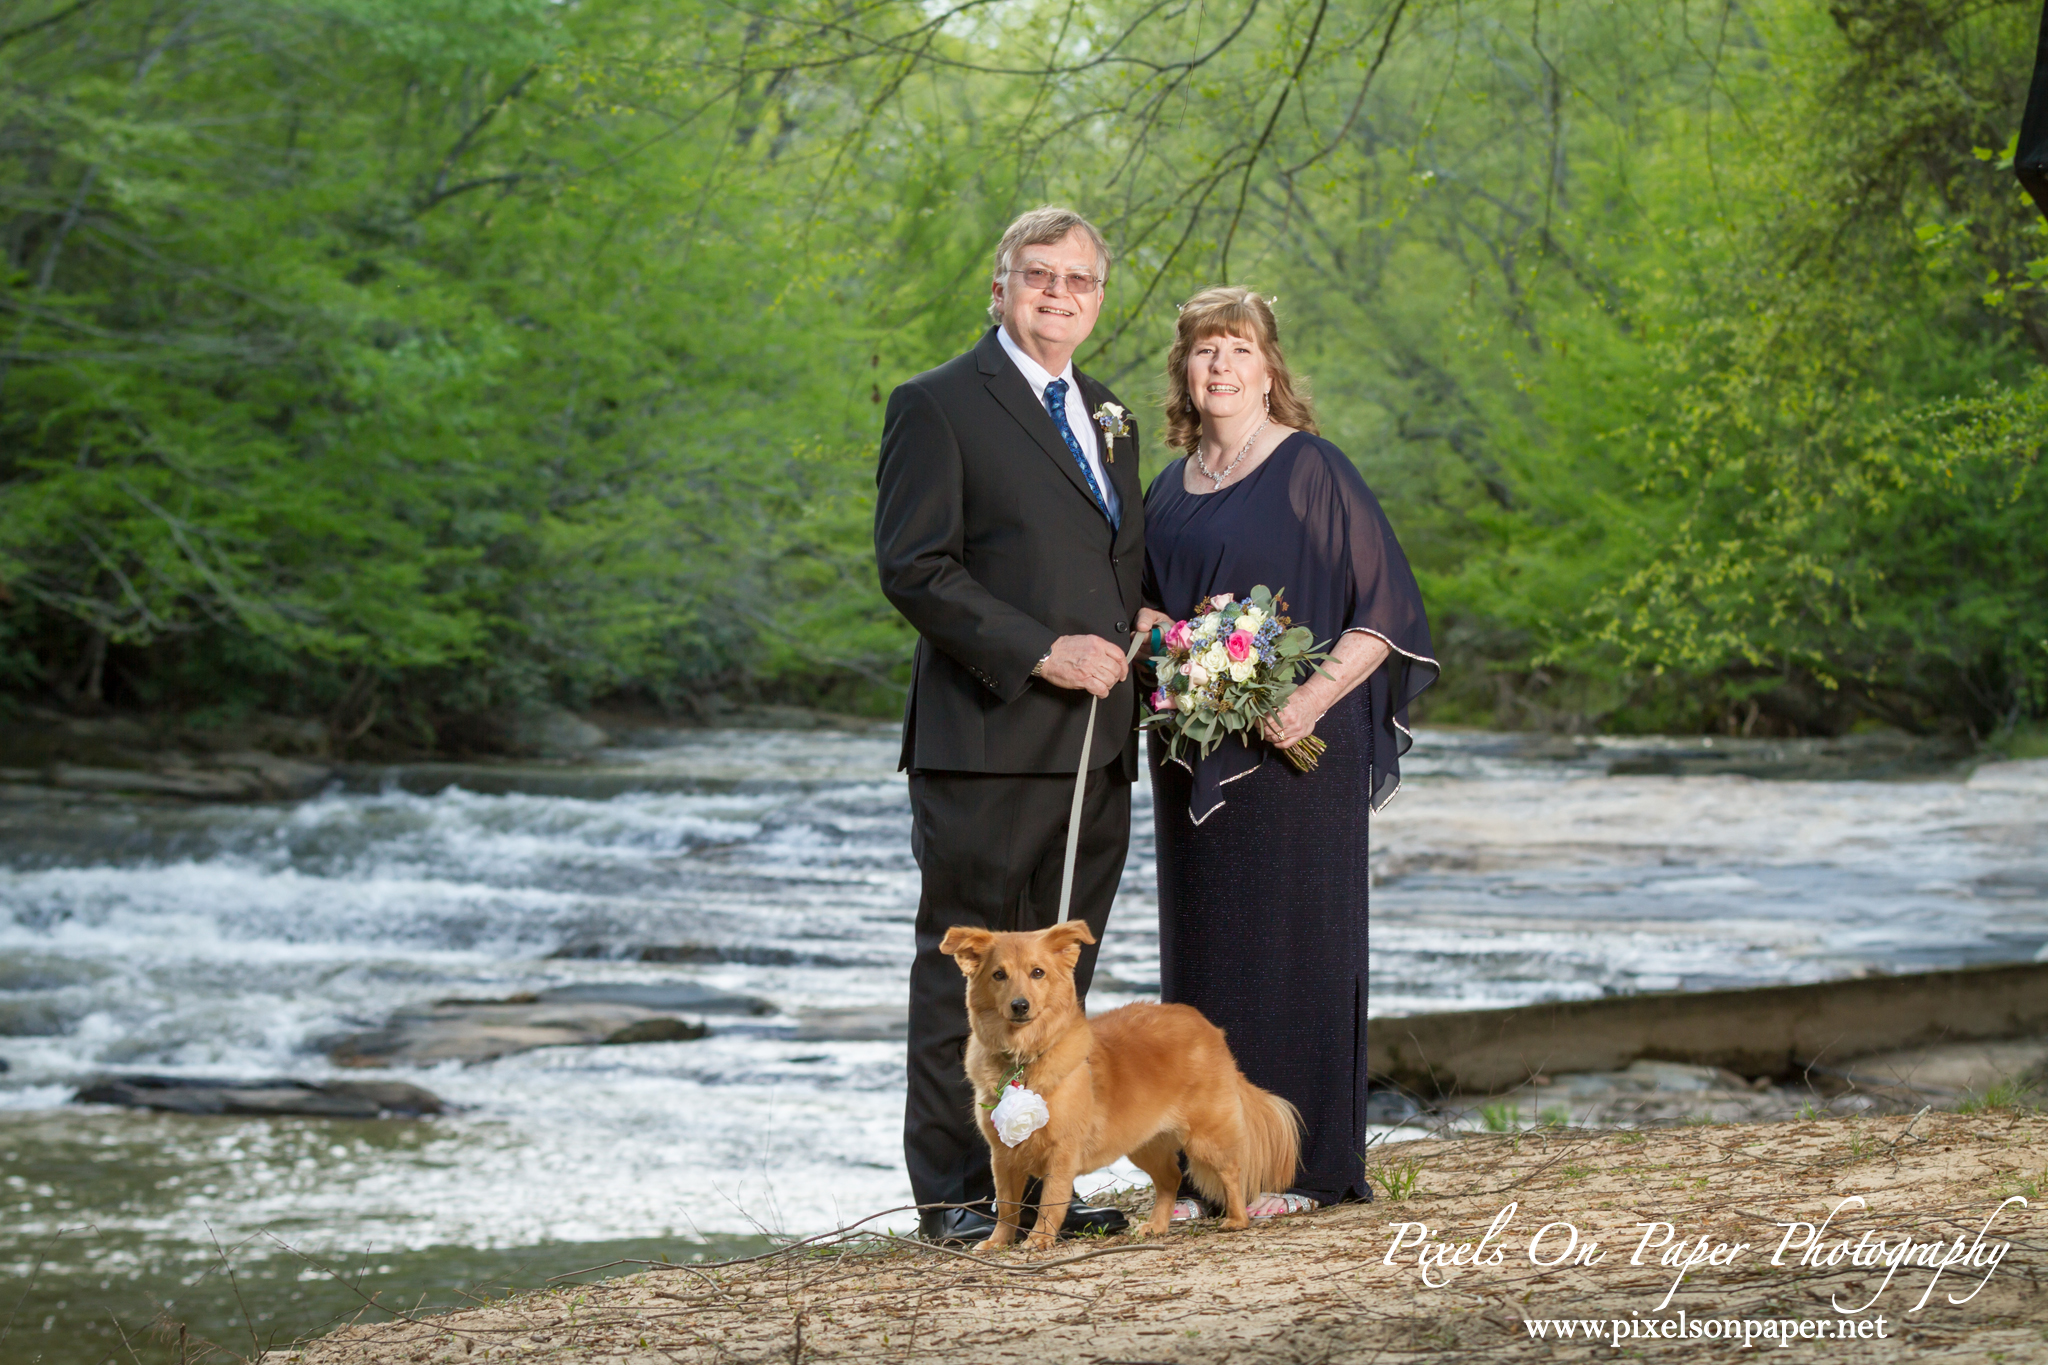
x: 1828, y: 453
x: 398, y: 361
x: 1397, y: 1180
x: 385, y: 353
x: 2012, y: 1095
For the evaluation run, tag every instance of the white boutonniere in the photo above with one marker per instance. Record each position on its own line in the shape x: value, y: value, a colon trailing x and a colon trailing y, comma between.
x: 1115, y: 422
x: 1019, y: 1114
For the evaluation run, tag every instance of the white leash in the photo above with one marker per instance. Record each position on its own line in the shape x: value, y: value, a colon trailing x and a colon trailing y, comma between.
x: 1080, y: 785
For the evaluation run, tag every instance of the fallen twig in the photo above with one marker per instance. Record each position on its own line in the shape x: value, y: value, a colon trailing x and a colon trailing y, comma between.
x: 983, y: 1261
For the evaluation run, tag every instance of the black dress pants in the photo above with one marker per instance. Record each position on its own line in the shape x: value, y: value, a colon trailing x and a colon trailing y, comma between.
x: 990, y: 847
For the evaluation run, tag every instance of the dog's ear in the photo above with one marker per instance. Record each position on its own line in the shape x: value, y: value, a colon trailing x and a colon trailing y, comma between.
x: 967, y: 946
x: 1066, y: 939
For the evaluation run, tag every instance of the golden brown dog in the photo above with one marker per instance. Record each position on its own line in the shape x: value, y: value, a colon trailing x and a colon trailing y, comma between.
x: 1144, y: 1081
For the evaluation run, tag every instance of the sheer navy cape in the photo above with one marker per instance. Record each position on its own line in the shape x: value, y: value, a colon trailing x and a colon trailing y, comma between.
x: 1303, y: 522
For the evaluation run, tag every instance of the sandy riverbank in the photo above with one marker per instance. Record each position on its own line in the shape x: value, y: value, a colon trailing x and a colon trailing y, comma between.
x: 1320, y: 1287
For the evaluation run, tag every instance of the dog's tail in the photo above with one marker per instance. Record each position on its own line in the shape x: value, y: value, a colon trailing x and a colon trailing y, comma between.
x: 1272, y: 1142
x: 1272, y: 1139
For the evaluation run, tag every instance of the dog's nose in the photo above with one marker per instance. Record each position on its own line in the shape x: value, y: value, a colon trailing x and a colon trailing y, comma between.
x: 1020, y: 1006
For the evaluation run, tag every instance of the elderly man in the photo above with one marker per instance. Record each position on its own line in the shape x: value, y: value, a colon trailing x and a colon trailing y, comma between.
x: 1009, y: 529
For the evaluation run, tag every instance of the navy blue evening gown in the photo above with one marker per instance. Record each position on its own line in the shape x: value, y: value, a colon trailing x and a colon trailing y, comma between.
x: 1262, y: 869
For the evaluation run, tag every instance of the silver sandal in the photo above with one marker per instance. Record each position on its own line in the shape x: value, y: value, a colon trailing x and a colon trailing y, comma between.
x: 1293, y: 1203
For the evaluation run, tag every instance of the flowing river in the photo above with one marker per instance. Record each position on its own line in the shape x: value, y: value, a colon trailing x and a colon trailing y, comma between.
x: 235, y: 940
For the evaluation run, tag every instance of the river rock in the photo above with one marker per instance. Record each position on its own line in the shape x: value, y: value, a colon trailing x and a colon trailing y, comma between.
x: 187, y: 782
x: 247, y: 776
x: 852, y: 1026
x: 2023, y: 775
x: 1106, y: 981
x: 551, y: 732
x: 687, y: 996
x: 660, y: 1029
x: 1389, y: 1107
x: 474, y: 1031
x: 278, y: 779
x: 329, y: 1099
x: 5, y: 1066
x: 123, y: 757
x: 1643, y: 1094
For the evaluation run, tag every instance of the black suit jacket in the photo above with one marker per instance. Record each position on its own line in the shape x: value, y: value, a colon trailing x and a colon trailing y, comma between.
x: 989, y: 542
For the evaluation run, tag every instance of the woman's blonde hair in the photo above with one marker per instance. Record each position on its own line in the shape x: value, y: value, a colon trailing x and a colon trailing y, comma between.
x: 1229, y: 311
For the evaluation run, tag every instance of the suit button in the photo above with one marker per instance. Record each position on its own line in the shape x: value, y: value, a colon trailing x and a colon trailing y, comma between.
x: 1114, y: 562
x: 1122, y: 626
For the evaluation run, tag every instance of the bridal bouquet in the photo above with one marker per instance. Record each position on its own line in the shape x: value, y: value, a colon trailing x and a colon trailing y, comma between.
x: 1226, y: 669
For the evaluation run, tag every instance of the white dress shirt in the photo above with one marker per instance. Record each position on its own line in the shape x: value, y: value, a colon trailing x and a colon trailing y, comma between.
x: 1084, y: 428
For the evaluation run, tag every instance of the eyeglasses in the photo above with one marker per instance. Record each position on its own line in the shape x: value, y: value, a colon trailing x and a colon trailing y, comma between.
x: 1038, y: 277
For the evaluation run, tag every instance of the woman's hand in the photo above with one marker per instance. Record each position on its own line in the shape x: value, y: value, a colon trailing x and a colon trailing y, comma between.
x: 1293, y: 723
x: 1148, y: 618
x: 1353, y: 660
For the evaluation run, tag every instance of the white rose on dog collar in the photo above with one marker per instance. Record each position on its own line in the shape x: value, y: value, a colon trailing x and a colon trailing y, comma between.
x: 1019, y: 1114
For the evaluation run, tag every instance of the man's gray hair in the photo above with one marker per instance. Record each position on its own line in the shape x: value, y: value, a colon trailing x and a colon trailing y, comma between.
x: 1042, y: 227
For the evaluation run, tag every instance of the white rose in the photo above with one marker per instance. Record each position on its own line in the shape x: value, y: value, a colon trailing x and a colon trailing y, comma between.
x: 1019, y: 1114
x: 1215, y: 658
x: 1241, y: 671
x: 1165, y: 672
x: 1251, y: 620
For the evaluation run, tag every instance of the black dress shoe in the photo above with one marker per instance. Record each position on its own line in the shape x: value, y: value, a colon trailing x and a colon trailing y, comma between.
x: 955, y: 1227
x: 1082, y: 1220
x: 1093, y: 1220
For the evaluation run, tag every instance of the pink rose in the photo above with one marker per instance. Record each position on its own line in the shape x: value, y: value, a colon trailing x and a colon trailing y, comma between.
x: 1222, y: 599
x: 1179, y: 637
x: 1238, y: 646
x: 1162, y: 700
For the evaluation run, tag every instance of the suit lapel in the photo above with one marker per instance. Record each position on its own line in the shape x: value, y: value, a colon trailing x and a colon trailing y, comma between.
x: 1006, y: 384
x: 1123, y: 469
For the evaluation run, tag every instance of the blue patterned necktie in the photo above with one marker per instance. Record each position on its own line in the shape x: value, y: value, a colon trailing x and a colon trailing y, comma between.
x: 1056, y: 404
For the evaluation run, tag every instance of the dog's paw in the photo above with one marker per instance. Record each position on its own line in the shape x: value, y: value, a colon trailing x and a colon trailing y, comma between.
x: 986, y: 1244
x: 1038, y: 1241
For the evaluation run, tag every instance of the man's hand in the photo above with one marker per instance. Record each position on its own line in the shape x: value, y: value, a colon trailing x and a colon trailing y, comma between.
x: 1084, y: 663
x: 1148, y: 618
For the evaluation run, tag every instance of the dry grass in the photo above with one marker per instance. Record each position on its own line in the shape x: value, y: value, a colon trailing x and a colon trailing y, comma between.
x: 1316, y: 1289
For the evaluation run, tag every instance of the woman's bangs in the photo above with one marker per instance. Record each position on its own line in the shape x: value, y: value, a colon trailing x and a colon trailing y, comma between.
x: 1233, y: 318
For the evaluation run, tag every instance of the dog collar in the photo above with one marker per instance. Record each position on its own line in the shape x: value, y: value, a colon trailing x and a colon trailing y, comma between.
x: 1013, y: 1078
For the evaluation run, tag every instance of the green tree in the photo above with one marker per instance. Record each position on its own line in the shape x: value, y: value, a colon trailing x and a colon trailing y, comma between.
x: 407, y: 363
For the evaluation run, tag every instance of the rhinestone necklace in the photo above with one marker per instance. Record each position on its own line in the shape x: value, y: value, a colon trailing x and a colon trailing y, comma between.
x: 1218, y: 479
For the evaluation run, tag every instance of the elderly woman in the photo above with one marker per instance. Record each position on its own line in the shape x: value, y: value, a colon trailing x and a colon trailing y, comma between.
x: 1262, y: 868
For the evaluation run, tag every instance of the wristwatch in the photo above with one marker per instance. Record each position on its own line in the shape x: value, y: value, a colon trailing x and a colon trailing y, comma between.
x: 1038, y: 669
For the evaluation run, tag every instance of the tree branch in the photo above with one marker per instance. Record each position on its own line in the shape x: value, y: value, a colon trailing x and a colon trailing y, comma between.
x: 49, y: 21
x: 440, y: 191
x: 1251, y: 162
